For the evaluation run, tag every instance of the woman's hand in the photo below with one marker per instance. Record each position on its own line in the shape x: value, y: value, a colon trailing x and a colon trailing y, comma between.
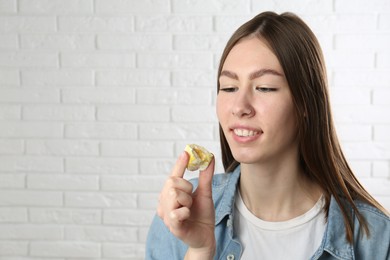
x: 189, y: 216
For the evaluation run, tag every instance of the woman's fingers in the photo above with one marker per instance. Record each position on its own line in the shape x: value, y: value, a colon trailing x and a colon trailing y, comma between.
x: 177, y: 191
x: 178, y: 183
x: 176, y: 208
x: 205, y: 180
x: 175, y: 198
x: 189, y: 216
x: 177, y: 217
x: 180, y: 198
x: 181, y: 165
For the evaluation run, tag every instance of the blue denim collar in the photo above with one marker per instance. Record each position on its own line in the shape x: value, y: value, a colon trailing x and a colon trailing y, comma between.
x: 230, y: 183
x: 334, y: 241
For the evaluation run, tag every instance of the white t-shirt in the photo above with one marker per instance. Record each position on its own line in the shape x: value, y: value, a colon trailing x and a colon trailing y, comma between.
x: 297, y: 238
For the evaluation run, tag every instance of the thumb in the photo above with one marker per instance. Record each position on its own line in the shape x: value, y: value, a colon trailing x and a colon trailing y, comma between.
x: 205, y: 180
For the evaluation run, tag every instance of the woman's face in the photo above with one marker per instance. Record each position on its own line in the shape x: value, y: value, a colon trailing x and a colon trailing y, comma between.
x: 254, y: 105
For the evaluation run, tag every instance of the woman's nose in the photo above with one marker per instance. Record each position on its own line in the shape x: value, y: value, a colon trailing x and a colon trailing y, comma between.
x: 242, y: 106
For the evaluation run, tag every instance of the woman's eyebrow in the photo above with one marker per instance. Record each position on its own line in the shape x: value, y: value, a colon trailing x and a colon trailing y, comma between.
x: 253, y: 75
x: 229, y: 74
x: 262, y: 72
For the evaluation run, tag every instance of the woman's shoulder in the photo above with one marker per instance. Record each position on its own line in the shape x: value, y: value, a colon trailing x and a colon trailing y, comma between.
x: 378, y: 222
x: 368, y: 211
x: 371, y: 212
x: 378, y: 237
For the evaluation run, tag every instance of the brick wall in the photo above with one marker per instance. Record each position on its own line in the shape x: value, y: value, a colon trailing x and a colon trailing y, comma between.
x: 98, y: 97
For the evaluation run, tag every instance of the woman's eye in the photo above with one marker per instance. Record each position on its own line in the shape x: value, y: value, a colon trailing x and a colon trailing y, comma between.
x: 228, y: 89
x: 265, y: 89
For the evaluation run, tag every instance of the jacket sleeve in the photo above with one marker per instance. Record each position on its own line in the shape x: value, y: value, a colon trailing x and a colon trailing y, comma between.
x: 161, y: 244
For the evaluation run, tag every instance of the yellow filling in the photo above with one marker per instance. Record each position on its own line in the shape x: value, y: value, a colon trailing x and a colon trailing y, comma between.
x: 200, y: 158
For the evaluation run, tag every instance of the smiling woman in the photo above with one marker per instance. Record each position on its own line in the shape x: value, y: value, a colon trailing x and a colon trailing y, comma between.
x: 288, y: 191
x: 254, y: 97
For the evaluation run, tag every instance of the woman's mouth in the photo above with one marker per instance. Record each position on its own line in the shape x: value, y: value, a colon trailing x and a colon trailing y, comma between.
x: 244, y: 132
x: 245, y: 135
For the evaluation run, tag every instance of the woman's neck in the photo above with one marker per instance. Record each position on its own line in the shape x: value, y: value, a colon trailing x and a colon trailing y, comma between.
x: 277, y: 192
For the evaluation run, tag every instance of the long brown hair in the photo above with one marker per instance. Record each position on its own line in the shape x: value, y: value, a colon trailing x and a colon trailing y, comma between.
x: 321, y: 157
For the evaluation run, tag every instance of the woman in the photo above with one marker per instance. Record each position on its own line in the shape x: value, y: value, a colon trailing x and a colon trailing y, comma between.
x: 288, y: 192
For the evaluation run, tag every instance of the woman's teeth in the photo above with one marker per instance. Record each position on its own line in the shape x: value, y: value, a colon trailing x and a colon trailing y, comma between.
x: 244, y: 132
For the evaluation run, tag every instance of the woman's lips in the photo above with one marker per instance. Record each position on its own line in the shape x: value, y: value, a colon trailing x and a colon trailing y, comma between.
x: 245, y: 134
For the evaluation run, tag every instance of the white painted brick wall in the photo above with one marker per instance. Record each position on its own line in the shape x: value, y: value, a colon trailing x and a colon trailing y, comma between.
x: 98, y: 97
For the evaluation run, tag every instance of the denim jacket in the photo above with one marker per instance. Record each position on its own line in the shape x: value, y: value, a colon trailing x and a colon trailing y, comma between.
x: 161, y: 244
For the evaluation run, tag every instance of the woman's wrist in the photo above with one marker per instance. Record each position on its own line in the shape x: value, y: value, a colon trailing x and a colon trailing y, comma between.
x: 200, y: 253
